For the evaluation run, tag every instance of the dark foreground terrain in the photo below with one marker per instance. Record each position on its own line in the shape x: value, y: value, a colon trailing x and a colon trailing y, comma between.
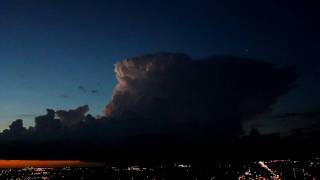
x: 264, y: 169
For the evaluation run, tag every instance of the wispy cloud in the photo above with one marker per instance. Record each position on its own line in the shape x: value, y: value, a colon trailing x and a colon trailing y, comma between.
x: 82, y: 88
x: 28, y: 115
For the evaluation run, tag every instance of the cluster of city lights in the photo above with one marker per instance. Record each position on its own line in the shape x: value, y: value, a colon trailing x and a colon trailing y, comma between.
x: 266, y: 169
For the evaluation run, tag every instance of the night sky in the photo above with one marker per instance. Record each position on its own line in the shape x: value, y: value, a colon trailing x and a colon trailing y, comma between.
x: 61, y: 54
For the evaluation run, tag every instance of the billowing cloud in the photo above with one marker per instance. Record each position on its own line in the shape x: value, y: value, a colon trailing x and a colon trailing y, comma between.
x: 47, y: 123
x: 163, y: 103
x: 172, y: 92
x: 16, y: 127
x: 72, y: 117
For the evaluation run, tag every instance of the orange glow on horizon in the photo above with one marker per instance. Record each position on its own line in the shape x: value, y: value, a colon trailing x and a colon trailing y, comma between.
x: 46, y: 163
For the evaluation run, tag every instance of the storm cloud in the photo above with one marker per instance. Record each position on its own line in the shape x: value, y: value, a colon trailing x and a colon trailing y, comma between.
x: 163, y: 103
x: 309, y: 120
x: 213, y: 96
x: 73, y: 116
x: 53, y: 121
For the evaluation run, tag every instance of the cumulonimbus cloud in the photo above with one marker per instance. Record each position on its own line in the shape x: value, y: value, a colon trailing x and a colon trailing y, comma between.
x: 162, y: 101
x: 210, y: 96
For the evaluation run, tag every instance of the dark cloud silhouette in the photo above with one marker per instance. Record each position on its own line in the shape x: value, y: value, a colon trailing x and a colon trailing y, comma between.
x: 82, y: 88
x: 64, y: 96
x: 308, y: 114
x: 85, y: 90
x: 16, y: 127
x: 47, y: 123
x: 212, y: 96
x: 94, y: 91
x: 163, y: 104
x: 15, y: 131
x: 308, y: 121
x: 72, y: 117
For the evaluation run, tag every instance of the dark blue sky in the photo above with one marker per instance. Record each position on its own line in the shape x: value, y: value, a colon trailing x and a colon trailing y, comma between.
x: 49, y: 48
